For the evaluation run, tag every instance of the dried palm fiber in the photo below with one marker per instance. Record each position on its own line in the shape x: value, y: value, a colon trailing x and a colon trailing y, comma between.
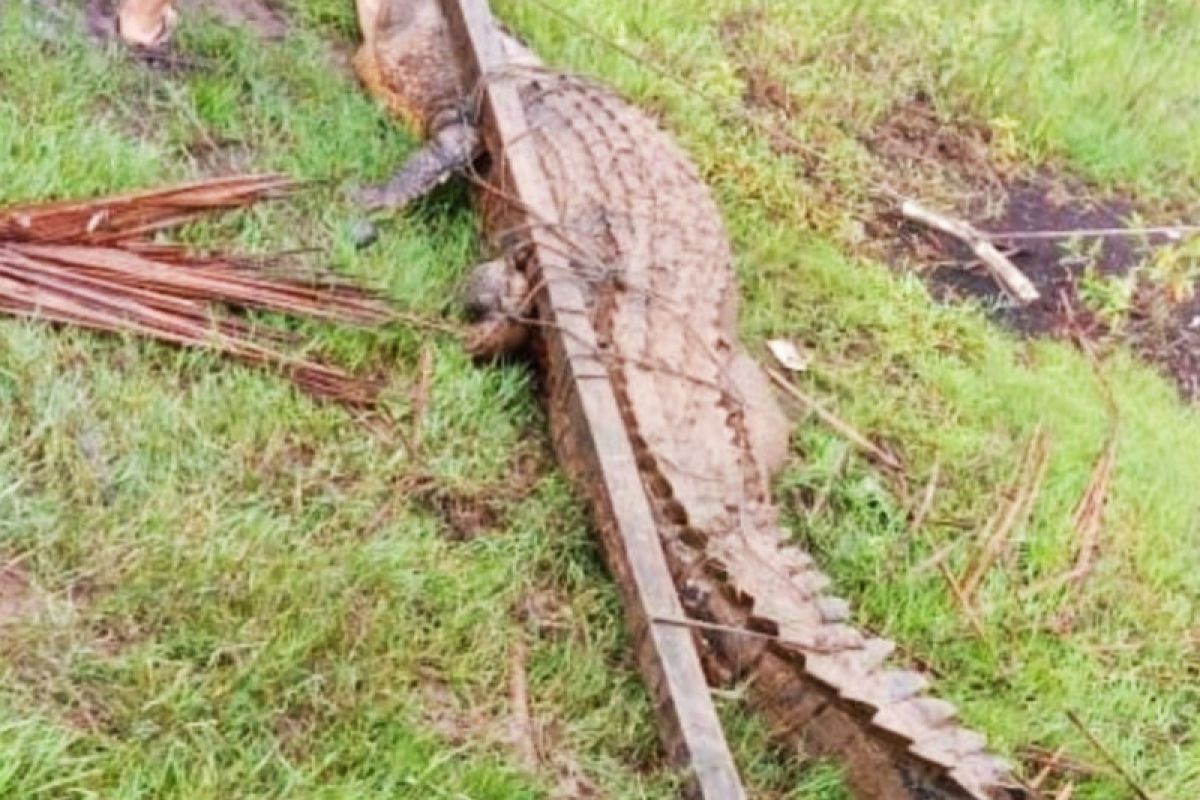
x: 93, y: 264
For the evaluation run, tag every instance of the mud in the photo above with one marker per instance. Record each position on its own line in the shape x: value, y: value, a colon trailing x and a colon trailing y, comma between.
x: 468, y: 512
x: 957, y: 163
x: 456, y: 721
x: 261, y: 17
x: 20, y: 601
x: 921, y: 153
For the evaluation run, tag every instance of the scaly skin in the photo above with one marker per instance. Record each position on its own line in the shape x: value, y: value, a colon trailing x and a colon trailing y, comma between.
x: 648, y: 241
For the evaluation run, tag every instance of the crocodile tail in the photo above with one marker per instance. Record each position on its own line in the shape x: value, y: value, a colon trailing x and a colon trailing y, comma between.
x: 822, y: 683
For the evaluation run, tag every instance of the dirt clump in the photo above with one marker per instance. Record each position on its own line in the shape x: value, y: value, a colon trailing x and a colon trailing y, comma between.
x: 265, y: 19
x: 1098, y: 290
x: 459, y: 722
x: 20, y: 600
x: 922, y: 154
x: 470, y: 511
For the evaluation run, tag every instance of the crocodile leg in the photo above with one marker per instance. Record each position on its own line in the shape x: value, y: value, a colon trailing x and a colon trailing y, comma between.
x: 453, y: 148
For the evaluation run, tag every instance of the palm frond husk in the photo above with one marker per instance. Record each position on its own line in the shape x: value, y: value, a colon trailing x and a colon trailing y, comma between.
x: 92, y: 264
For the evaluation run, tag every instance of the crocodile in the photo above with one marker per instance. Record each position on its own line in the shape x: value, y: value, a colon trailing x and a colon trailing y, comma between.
x: 647, y: 243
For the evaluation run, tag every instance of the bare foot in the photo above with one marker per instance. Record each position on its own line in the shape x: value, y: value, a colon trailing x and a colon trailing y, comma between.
x: 146, y: 23
x: 143, y: 25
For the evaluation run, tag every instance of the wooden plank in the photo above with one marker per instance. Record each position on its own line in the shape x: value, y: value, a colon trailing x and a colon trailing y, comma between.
x: 590, y: 433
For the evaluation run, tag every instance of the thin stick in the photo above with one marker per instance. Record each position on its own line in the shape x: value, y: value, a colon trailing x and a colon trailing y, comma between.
x: 1088, y: 521
x: 836, y: 423
x: 923, y: 510
x: 1011, y: 279
x: 1057, y: 761
x: 822, y: 499
x: 420, y: 402
x: 939, y: 557
x: 916, y: 518
x: 1089, y: 516
x: 1028, y: 483
x: 518, y: 693
x: 964, y: 603
x: 1108, y: 756
x: 939, y: 560
x: 1049, y: 765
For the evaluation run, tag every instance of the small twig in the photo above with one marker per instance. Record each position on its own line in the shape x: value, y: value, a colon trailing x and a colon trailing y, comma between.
x: 923, y: 510
x: 822, y: 499
x: 420, y: 398
x: 1023, y: 494
x: 1048, y: 768
x: 1088, y: 521
x: 1108, y: 756
x: 837, y: 424
x: 939, y: 560
x: 939, y: 557
x: 1102, y: 382
x: 1011, y: 279
x: 521, y: 721
x: 963, y: 603
x: 1089, y: 515
x: 1056, y: 761
x: 916, y: 518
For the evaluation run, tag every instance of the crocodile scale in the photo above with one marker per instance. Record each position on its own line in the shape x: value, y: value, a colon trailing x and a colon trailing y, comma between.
x: 648, y: 242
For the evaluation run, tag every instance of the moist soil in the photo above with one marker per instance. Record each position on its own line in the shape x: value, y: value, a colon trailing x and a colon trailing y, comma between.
x: 260, y: 17
x: 957, y: 159
x: 955, y: 165
x: 19, y: 600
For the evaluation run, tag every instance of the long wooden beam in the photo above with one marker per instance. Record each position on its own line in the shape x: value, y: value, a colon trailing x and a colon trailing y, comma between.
x: 590, y: 434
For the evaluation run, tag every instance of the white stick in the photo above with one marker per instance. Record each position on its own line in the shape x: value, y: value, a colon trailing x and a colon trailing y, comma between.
x: 1011, y: 279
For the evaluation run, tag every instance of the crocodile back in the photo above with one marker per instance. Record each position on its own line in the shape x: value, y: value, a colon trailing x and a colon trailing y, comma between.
x: 645, y: 236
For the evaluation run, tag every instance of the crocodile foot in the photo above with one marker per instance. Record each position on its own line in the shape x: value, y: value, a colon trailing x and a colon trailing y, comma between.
x: 452, y: 149
x: 496, y: 298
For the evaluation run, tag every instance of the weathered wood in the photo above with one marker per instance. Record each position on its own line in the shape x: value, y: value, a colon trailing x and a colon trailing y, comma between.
x: 1011, y: 279
x: 592, y: 430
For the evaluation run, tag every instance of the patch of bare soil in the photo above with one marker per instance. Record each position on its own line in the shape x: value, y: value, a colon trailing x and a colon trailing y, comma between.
x: 264, y: 18
x: 957, y: 166
x: 922, y: 153
x: 763, y: 91
x: 20, y: 601
x: 41, y: 642
x: 470, y: 512
x: 535, y: 743
x: 954, y: 167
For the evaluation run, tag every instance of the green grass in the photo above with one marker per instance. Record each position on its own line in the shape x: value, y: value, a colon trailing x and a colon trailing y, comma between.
x: 240, y: 597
